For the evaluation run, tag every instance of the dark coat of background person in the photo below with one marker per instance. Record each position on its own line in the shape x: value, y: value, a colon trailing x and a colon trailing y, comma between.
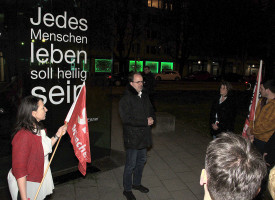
x: 226, y: 114
x: 149, y: 82
x: 134, y: 112
x: 270, y: 150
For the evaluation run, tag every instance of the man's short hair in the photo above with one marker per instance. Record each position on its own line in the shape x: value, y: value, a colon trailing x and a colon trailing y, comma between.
x: 146, y: 67
x: 234, y: 168
x: 131, y: 76
x: 270, y: 84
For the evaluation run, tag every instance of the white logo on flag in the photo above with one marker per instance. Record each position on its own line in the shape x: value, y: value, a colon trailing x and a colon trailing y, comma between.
x: 83, y: 119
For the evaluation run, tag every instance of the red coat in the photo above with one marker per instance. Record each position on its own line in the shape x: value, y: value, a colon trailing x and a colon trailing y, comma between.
x: 27, y: 156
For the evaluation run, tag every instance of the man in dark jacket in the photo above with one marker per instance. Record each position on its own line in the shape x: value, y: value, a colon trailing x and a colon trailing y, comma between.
x: 149, y: 79
x: 149, y: 84
x: 137, y: 116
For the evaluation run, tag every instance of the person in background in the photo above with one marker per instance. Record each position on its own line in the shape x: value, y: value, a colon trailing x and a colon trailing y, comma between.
x: 137, y: 115
x: 149, y: 79
x: 223, y: 111
x: 234, y: 169
x: 30, y: 149
x: 269, y: 151
x: 149, y: 83
x: 263, y: 127
x: 269, y: 158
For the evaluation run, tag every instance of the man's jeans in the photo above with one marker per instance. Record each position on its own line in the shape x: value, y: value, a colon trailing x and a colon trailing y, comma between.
x: 135, y: 160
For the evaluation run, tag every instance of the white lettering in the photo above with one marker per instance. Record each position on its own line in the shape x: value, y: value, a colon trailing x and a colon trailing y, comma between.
x: 78, y: 144
x: 73, y: 21
x: 51, y: 94
x: 48, y: 17
x: 78, y: 56
x: 39, y: 95
x: 60, y: 21
x: 52, y: 53
x: 63, y: 19
x: 56, y: 94
x: 68, y: 55
x: 36, y: 37
x: 44, y: 53
x: 38, y: 19
x: 58, y: 37
x: 83, y: 22
x: 34, y: 74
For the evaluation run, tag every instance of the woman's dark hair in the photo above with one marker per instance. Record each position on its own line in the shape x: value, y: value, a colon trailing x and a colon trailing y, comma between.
x: 228, y: 87
x: 24, y: 117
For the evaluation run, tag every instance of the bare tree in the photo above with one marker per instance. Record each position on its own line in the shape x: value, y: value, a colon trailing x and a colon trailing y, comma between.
x: 177, y: 30
x: 128, y: 25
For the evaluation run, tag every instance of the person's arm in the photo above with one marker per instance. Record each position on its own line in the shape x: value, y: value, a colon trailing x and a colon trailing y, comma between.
x: 61, y: 131
x: 21, y: 146
x: 266, y: 124
x: 212, y: 115
x: 22, y: 182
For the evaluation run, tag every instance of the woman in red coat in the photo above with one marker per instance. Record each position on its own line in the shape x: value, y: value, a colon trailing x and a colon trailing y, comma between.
x: 30, y: 149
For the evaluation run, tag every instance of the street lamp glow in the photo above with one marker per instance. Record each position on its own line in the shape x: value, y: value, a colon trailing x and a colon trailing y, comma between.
x: 22, y: 43
x: 199, y: 62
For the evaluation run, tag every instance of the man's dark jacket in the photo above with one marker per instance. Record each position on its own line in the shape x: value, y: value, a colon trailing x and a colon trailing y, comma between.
x: 134, y: 112
x: 270, y: 150
x: 149, y: 82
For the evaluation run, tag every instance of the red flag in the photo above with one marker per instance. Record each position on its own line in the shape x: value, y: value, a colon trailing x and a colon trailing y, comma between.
x: 79, y: 131
x: 255, y: 99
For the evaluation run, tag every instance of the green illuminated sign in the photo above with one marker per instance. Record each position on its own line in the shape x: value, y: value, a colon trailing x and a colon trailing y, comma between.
x: 154, y: 66
x: 166, y: 65
x: 86, y: 67
x: 138, y: 64
x: 103, y: 65
x: 73, y: 64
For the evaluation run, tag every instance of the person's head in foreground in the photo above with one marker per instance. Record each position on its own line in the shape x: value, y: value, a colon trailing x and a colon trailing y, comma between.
x: 271, y: 182
x: 234, y: 169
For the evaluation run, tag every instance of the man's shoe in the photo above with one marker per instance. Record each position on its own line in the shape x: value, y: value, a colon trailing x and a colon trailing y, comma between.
x: 141, y: 188
x: 129, y: 195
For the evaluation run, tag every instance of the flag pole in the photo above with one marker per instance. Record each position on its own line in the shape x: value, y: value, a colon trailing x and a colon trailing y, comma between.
x: 258, y: 87
x: 48, y: 166
x: 66, y: 121
x: 254, y: 102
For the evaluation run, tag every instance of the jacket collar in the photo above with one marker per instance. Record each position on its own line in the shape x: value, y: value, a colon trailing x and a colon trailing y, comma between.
x: 131, y: 90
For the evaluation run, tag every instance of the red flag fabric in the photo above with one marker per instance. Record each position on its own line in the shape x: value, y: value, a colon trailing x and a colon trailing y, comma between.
x: 255, y: 98
x: 79, y: 131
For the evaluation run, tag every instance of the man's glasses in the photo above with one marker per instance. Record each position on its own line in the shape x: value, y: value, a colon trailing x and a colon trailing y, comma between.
x: 139, y: 82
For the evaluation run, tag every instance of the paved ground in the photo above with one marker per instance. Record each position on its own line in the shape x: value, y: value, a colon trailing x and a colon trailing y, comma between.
x: 172, y: 170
